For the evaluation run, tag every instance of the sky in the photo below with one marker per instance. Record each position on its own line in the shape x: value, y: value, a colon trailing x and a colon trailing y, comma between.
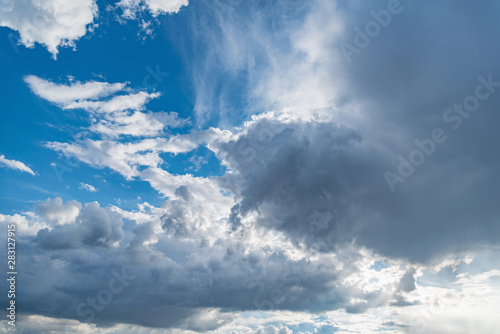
x: 258, y: 167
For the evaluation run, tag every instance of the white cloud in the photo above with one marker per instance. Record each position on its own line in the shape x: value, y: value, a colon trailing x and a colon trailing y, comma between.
x: 27, y: 224
x: 137, y: 124
x: 130, y: 8
x: 87, y: 187
x: 123, y: 158
x: 65, y: 95
x: 157, y: 7
x: 117, y: 103
x: 128, y: 158
x: 52, y: 23
x: 13, y: 164
x: 112, y: 115
x: 55, y: 212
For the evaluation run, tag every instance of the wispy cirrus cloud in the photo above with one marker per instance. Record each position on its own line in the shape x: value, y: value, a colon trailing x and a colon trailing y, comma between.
x: 116, y: 110
x: 66, y: 95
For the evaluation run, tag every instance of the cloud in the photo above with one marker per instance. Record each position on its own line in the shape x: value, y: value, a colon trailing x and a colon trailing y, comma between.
x: 65, y: 95
x: 407, y: 282
x: 112, y: 115
x: 53, y: 23
x: 13, y: 164
x: 117, y: 103
x: 94, y: 226
x: 55, y: 212
x: 26, y: 224
x: 303, y: 224
x: 138, y: 124
x: 241, y: 57
x: 87, y: 187
x: 130, y: 158
x: 131, y: 8
x: 275, y: 330
x: 205, y: 274
x: 188, y: 252
x: 337, y: 177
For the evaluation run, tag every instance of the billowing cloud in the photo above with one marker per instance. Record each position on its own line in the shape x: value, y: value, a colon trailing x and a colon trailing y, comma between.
x: 337, y: 176
x: 202, y: 270
x: 53, y: 23
x: 426, y: 136
x: 27, y: 224
x: 55, y: 212
x: 94, y: 226
x: 205, y: 274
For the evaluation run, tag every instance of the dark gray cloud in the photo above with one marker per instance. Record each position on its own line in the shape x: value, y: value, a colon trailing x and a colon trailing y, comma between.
x: 323, y: 183
x: 94, y: 226
x: 200, y: 277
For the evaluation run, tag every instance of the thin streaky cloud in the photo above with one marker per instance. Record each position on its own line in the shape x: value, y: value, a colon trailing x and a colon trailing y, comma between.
x: 14, y: 164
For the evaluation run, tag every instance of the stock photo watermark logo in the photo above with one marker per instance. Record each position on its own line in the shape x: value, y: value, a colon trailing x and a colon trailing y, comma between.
x: 104, y: 297
x: 61, y: 168
x: 153, y: 78
x: 363, y: 37
x: 428, y: 146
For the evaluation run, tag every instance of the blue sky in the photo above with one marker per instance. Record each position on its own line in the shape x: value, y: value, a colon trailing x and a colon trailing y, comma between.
x: 150, y: 64
x: 232, y: 166
x: 41, y: 121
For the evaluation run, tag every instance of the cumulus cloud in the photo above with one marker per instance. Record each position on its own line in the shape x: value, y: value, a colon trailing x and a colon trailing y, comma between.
x: 55, y: 212
x: 271, y: 329
x: 14, y: 164
x: 26, y: 224
x: 204, y: 274
x: 202, y: 271
x: 94, y: 226
x: 53, y: 23
x: 337, y: 177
